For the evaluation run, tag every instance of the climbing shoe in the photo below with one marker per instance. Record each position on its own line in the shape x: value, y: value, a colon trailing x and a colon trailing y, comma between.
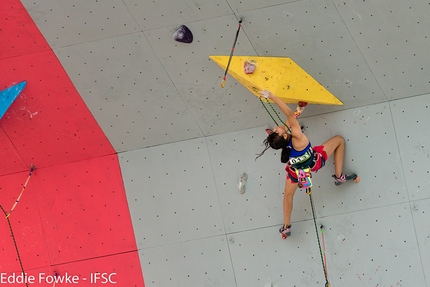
x: 344, y: 178
x: 285, y: 231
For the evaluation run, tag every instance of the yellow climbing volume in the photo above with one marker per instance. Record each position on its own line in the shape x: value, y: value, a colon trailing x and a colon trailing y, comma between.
x: 282, y: 76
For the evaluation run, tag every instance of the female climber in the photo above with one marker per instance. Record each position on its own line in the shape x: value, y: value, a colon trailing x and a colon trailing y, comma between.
x: 298, y: 154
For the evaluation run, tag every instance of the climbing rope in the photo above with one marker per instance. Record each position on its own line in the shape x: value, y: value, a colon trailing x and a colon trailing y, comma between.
x: 7, y: 215
x: 279, y: 118
x: 309, y: 191
x: 323, y: 247
x: 32, y: 168
x: 16, y: 245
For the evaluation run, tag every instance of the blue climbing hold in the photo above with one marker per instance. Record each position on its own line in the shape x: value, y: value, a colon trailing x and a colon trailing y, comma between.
x: 8, y: 96
x: 183, y: 35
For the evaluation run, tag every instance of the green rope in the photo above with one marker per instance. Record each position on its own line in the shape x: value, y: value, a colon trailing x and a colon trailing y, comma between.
x: 309, y: 191
x: 264, y: 106
x: 268, y: 111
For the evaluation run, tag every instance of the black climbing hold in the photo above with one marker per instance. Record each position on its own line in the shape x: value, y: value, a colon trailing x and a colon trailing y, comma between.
x: 183, y: 35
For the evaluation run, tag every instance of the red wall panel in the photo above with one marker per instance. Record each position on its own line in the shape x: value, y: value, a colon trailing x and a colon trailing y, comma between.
x: 73, y: 216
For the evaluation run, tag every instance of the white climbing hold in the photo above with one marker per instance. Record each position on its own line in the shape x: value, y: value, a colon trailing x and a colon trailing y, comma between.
x: 242, y: 182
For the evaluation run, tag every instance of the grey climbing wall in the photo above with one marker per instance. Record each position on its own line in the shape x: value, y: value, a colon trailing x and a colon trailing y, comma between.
x: 373, y: 229
x: 184, y: 142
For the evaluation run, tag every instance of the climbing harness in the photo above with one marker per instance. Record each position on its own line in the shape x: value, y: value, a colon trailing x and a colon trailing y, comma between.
x: 322, y: 253
x: 231, y: 54
x: 32, y: 168
x: 304, y: 177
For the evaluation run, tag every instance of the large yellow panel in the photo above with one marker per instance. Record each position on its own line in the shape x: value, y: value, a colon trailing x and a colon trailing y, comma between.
x: 282, y: 76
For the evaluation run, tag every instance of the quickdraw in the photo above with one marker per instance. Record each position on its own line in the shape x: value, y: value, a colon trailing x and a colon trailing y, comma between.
x: 32, y: 168
x: 224, y: 78
x: 304, y: 177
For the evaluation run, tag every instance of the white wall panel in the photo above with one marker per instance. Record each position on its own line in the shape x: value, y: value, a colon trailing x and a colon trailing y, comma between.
x: 204, y: 262
x: 374, y: 247
x: 394, y: 39
x: 421, y: 214
x: 261, y: 257
x: 362, y: 248
x: 411, y: 118
x: 157, y: 14
x: 261, y: 205
x: 171, y: 193
x: 66, y: 23
x: 129, y: 92
x: 241, y: 6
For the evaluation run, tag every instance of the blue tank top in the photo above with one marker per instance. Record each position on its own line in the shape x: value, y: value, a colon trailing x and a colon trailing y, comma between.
x: 300, y: 159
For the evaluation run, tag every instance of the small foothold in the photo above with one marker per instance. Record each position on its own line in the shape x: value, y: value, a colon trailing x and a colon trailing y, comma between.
x: 302, y: 127
x: 270, y: 284
x: 183, y: 35
x: 242, y: 183
x: 248, y: 67
x: 231, y: 239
